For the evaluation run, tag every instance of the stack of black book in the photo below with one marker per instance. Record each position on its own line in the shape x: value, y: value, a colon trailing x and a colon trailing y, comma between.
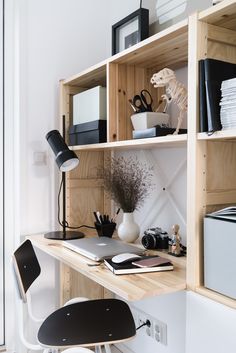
x: 156, y: 131
x: 211, y: 74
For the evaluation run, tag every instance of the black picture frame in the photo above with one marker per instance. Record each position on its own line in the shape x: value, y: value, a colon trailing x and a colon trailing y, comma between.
x: 130, y: 30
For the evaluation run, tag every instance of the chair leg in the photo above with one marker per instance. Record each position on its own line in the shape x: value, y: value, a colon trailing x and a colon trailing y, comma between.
x: 98, y: 349
x: 107, y: 348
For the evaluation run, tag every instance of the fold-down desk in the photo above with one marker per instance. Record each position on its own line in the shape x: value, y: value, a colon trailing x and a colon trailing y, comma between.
x: 129, y: 287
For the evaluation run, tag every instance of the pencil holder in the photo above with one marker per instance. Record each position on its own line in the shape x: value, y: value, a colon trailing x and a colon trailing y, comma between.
x: 105, y: 230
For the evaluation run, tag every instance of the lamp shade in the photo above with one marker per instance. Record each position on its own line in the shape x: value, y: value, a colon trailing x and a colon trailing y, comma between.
x: 65, y: 158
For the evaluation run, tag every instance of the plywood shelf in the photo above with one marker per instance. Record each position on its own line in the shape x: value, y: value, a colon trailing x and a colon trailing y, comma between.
x: 218, y: 135
x: 223, y: 14
x: 130, y: 287
x: 148, y: 143
x: 168, y: 48
x: 94, y: 76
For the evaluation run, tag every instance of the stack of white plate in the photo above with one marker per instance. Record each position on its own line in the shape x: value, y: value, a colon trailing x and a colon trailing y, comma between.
x: 228, y: 104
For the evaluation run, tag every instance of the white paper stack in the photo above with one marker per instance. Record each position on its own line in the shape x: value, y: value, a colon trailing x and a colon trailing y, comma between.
x: 228, y: 104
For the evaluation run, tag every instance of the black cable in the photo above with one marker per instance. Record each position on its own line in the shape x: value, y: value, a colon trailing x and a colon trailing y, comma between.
x: 141, y: 3
x: 147, y: 323
x: 65, y: 223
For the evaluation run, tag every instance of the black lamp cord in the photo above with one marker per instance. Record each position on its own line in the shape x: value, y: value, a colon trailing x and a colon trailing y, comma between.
x: 141, y: 3
x: 147, y: 323
x: 65, y: 223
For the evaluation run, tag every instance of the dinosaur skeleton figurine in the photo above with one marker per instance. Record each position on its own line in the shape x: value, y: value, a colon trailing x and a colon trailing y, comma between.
x: 174, y: 91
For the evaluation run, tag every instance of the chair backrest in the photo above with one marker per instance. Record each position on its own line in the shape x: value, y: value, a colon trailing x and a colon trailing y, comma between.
x: 26, y: 267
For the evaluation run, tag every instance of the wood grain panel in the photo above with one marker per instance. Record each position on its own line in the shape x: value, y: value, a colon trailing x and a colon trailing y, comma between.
x: 85, y: 190
x: 150, y: 49
x: 196, y: 157
x: 222, y: 52
x: 122, y: 105
x: 94, y: 76
x: 223, y: 15
x: 131, y: 91
x: 168, y: 49
x: 221, y: 197
x: 83, y: 202
x: 112, y: 102
x: 89, y: 163
x: 221, y: 35
x: 85, y: 287
x: 221, y: 166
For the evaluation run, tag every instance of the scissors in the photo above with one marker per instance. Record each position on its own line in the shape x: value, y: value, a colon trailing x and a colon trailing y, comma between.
x: 143, y: 102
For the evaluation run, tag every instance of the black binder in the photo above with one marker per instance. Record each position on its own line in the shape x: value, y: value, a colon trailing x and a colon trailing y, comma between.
x: 202, y: 98
x: 215, y: 71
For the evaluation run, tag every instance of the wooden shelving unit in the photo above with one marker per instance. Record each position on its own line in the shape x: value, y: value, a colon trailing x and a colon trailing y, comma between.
x: 211, y: 159
x: 211, y: 164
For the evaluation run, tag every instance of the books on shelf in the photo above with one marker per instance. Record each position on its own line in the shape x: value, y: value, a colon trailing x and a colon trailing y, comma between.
x: 153, y: 264
x: 211, y: 74
x: 228, y: 104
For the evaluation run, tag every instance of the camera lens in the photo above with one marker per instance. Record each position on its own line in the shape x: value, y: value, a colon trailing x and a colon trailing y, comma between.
x: 150, y: 241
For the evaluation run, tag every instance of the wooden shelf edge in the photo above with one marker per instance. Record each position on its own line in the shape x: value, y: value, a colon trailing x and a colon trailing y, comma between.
x: 216, y: 12
x: 100, y: 66
x: 216, y: 297
x: 152, y: 142
x: 180, y: 26
x: 218, y: 135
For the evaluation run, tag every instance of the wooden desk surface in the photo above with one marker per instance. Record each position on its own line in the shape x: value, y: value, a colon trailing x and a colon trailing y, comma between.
x: 130, y: 287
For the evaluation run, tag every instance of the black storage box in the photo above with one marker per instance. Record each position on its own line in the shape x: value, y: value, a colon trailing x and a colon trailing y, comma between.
x: 88, y: 133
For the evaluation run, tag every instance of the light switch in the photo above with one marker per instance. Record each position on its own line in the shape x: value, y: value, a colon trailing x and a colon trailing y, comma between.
x: 39, y: 158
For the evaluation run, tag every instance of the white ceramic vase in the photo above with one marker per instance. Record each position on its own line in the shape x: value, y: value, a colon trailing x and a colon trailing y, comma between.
x: 128, y: 230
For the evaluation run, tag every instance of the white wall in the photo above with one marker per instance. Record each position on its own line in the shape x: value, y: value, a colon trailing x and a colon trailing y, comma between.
x: 210, y: 326
x: 170, y: 309
x: 58, y: 39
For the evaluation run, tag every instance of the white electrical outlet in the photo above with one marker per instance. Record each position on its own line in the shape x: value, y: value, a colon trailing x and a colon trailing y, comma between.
x: 156, y: 330
x: 160, y: 331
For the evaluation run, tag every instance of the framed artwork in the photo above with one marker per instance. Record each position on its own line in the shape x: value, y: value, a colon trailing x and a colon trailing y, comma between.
x: 131, y: 30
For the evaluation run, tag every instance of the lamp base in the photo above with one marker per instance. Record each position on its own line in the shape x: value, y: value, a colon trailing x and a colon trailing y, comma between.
x: 59, y: 235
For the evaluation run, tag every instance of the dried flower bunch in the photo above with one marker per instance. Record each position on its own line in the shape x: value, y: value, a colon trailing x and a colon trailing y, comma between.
x: 128, y: 182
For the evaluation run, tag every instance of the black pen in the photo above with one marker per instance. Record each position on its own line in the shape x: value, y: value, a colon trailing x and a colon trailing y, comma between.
x: 114, y: 218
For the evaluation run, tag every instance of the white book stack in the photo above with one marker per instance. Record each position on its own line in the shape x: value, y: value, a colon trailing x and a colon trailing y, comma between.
x: 228, y: 104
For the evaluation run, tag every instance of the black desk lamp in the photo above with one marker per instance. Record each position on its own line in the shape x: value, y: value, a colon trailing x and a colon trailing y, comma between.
x: 66, y: 160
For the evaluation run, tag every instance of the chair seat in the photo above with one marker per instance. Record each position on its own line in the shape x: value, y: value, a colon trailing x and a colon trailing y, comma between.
x: 88, y: 323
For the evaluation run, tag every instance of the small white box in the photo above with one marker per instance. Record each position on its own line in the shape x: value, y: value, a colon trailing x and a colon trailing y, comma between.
x: 147, y: 120
x: 89, y: 105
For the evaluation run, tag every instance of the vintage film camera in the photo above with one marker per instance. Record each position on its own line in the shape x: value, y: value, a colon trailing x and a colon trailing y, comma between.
x: 155, y: 238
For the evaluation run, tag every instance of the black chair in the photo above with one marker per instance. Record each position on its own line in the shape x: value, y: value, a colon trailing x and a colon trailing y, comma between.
x: 75, y: 326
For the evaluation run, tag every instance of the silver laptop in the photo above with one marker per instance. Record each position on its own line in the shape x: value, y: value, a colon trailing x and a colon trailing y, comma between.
x: 100, y: 248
